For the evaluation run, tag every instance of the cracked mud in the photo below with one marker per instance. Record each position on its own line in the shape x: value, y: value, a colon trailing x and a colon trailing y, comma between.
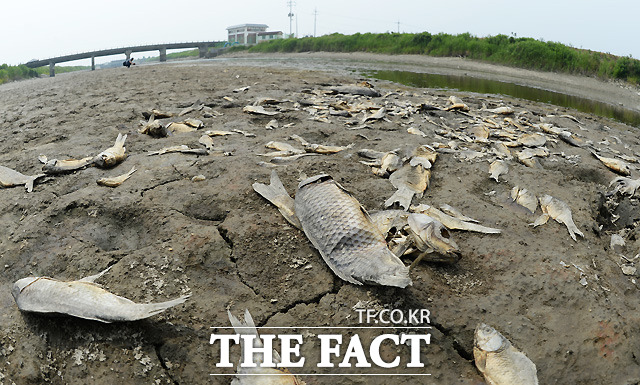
x: 166, y: 235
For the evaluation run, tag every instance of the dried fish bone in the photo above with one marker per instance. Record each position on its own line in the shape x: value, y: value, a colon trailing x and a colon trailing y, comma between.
x: 10, y: 178
x: 499, y: 362
x: 112, y: 155
x: 624, y: 185
x: 616, y: 165
x: 497, y: 168
x: 320, y: 148
x: 258, y: 110
x: 83, y: 299
x: 452, y: 223
x: 251, y: 375
x: 454, y: 212
x: 115, y: 181
x: 430, y: 235
x: 558, y: 210
x: 181, y: 148
x: 524, y: 198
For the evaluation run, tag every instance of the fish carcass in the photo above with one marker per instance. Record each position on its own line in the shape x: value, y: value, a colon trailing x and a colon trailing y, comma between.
x: 112, y: 155
x: 10, y: 178
x: 558, y: 210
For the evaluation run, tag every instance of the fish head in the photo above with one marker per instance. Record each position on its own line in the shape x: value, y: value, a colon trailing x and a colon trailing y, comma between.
x: 489, y: 339
x: 20, y: 284
x: 428, y: 232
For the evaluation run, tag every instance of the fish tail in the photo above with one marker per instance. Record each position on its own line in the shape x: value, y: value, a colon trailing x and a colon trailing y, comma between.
x: 120, y: 140
x: 278, y: 196
x: 29, y: 184
x: 247, y: 327
x: 155, y: 308
x: 403, y: 196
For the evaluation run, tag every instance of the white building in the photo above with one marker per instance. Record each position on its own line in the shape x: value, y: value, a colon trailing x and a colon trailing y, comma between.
x: 249, y: 34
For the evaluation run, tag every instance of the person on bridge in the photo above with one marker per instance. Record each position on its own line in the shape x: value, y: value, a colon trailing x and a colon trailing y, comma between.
x: 128, y: 63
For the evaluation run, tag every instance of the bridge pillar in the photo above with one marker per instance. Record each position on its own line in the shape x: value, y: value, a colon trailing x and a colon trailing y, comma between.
x: 93, y: 63
x: 202, y: 51
x: 52, y: 71
x: 163, y: 54
x: 128, y: 53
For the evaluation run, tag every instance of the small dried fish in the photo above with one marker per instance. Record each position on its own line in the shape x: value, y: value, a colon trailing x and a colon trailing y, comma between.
x: 499, y: 362
x: 251, y: 375
x: 218, y: 133
x: 179, y: 127
x: 572, y: 139
x: 10, y: 178
x: 415, y: 131
x: 206, y: 141
x: 389, y: 163
x: 500, y: 110
x: 55, y: 166
x: 454, y: 212
x: 424, y: 155
x: 259, y: 110
x: 289, y: 158
x: 524, y: 198
x: 479, y: 133
x: 619, y: 166
x: 83, y: 299
x: 181, y: 148
x: 245, y: 133
x: 115, y: 181
x: 497, y: 168
x: 452, y: 223
x: 242, y: 89
x: 157, y: 113
x: 558, y: 210
x: 112, y: 155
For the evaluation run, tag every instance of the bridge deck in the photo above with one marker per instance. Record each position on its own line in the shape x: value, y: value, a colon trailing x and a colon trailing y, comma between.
x: 122, y: 50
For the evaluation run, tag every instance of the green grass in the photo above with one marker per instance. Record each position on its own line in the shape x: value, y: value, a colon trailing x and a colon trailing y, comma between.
x: 501, y: 49
x: 12, y: 73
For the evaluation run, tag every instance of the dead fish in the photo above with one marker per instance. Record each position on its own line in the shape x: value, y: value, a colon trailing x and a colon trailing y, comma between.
x: 157, y: 113
x: 558, y: 210
x: 415, y: 131
x: 206, y: 141
x: 283, y: 149
x: 500, y: 110
x: 624, y: 185
x: 289, y: 158
x: 342, y: 231
x: 10, y: 178
x: 179, y: 127
x: 277, y: 195
x: 320, y: 148
x: 501, y: 150
x: 424, y: 155
x: 389, y: 163
x: 370, y: 154
x: 242, y: 89
x: 112, y: 155
x: 430, y: 235
x: 356, y: 90
x: 245, y: 133
x: 619, y: 166
x: 524, y: 198
x: 452, y: 223
x: 532, y: 140
x: 572, y: 139
x: 528, y: 155
x: 385, y: 220
x: 117, y: 180
x: 479, y: 133
x: 454, y: 212
x: 497, y: 168
x: 259, y: 110
x: 153, y: 128
x: 272, y: 125
x: 195, y: 123
x: 251, y: 375
x: 82, y: 298
x: 218, y: 133
x: 410, y: 181
x: 376, y: 115
x: 456, y: 104
x: 500, y: 362
x: 181, y: 148
x: 55, y: 166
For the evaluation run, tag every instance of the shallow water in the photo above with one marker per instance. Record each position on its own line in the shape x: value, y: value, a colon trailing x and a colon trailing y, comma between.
x: 485, y: 86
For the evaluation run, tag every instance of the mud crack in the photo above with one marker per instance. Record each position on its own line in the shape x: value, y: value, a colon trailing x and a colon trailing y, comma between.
x: 163, y: 364
x: 462, y: 352
x: 144, y: 190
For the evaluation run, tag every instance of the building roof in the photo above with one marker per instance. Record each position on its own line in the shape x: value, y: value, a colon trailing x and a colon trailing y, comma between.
x: 248, y: 25
x: 269, y: 33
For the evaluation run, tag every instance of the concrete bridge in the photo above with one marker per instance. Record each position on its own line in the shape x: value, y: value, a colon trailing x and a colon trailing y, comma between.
x: 203, y: 48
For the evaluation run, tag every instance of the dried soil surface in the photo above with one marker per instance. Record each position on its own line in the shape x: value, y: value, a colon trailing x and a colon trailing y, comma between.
x: 566, y: 304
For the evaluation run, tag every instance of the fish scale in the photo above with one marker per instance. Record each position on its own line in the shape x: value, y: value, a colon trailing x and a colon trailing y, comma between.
x: 337, y: 225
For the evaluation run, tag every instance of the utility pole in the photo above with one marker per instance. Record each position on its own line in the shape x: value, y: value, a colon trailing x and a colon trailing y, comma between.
x: 315, y: 14
x: 290, y: 4
x: 398, y: 22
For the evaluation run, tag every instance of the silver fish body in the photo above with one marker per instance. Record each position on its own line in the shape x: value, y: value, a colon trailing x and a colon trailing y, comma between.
x: 342, y: 231
x: 499, y: 361
x: 10, y: 178
x: 83, y: 299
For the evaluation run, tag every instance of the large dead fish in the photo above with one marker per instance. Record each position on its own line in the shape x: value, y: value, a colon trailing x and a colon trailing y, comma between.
x: 251, y: 375
x: 55, y: 166
x: 10, y: 178
x: 497, y: 168
x: 499, y: 362
x: 619, y: 166
x: 82, y: 298
x: 341, y: 230
x: 116, y: 180
x: 112, y: 155
x: 558, y: 210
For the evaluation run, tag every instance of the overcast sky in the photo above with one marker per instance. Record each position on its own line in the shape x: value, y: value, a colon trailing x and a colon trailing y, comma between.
x: 42, y: 29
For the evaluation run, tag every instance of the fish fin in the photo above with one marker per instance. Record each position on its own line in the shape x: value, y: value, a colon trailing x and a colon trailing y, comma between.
x: 278, y: 196
x: 120, y: 140
x: 29, y: 184
x: 92, y: 278
x: 247, y: 327
x: 402, y: 196
x: 542, y: 219
x: 151, y: 309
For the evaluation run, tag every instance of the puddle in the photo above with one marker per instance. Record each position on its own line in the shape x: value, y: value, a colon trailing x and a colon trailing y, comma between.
x: 485, y: 86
